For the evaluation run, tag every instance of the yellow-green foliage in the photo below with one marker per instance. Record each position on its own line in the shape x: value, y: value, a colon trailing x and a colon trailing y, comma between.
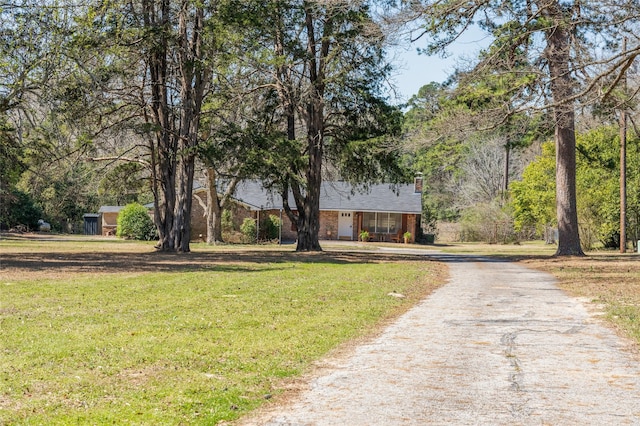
x: 135, y: 223
x: 533, y: 197
x: 597, y: 181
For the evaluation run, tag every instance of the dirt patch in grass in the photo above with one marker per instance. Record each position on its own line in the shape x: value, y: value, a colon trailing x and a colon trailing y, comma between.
x: 611, y: 281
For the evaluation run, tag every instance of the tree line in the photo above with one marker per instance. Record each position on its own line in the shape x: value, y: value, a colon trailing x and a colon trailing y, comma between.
x: 122, y: 96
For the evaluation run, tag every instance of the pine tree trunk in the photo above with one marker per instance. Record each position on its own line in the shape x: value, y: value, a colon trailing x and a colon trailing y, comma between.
x: 558, y: 56
x: 162, y: 144
x: 177, y: 128
x: 507, y: 165
x: 184, y: 201
x: 309, y: 223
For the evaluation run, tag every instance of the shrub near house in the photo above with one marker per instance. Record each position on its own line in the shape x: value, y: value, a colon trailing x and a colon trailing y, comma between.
x: 134, y: 223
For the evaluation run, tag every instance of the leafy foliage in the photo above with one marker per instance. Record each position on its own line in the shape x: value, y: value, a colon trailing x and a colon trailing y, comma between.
x: 270, y: 228
x: 124, y: 184
x: 543, y: 55
x: 249, y: 231
x: 597, y: 176
x: 488, y: 222
x: 227, y: 220
x: 11, y: 167
x: 17, y: 208
x: 63, y: 191
x: 533, y: 197
x: 460, y: 152
x: 134, y: 223
x: 325, y: 63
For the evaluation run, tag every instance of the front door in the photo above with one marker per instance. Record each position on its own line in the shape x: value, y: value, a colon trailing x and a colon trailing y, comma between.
x: 345, y: 225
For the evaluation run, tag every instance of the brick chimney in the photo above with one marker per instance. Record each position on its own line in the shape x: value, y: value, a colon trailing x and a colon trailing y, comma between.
x: 417, y: 183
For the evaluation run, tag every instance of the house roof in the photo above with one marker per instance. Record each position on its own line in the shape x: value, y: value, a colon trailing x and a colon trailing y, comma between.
x: 110, y: 209
x: 117, y: 209
x: 333, y: 196
x: 339, y: 196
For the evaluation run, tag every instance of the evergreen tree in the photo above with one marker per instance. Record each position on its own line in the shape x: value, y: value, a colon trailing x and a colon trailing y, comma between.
x: 326, y: 65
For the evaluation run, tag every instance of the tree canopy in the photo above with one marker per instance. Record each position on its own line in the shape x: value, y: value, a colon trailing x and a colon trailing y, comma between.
x: 554, y: 55
x: 597, y: 183
x: 324, y: 65
x: 106, y: 101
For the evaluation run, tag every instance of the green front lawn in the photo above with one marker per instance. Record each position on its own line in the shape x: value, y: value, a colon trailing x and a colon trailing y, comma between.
x: 170, y: 339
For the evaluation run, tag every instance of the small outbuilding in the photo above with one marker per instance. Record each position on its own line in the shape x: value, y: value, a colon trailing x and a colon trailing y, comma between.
x: 109, y: 219
x: 91, y: 223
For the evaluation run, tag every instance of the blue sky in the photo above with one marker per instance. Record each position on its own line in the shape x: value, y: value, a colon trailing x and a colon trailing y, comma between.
x: 415, y: 70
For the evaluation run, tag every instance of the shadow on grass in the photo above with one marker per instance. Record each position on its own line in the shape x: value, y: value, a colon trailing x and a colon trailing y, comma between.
x: 232, y: 261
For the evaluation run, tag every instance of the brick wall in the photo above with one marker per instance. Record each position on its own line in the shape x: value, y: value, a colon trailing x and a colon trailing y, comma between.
x: 328, y: 225
x: 198, y: 217
x: 411, y: 226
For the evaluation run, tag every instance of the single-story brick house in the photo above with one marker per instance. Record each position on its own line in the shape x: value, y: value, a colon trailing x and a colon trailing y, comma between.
x: 385, y: 211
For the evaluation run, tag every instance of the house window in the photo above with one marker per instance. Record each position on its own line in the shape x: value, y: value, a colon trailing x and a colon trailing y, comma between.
x: 369, y: 222
x: 395, y: 222
x: 383, y: 223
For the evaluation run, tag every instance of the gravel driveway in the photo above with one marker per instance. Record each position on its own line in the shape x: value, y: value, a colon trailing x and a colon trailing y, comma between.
x: 500, y: 344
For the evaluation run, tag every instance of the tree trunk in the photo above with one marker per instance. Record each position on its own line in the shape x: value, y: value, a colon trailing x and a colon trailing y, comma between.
x: 307, y: 226
x: 216, y: 205
x: 184, y: 202
x: 309, y: 223
x: 177, y: 127
x: 505, y: 180
x: 214, y: 211
x: 558, y: 56
x: 162, y: 144
x: 311, y: 108
x: 623, y: 166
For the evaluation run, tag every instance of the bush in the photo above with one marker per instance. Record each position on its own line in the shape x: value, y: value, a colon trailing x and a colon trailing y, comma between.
x: 270, y: 228
x: 488, y: 223
x: 248, y: 229
x: 134, y: 223
x: 227, y: 221
x: 17, y: 208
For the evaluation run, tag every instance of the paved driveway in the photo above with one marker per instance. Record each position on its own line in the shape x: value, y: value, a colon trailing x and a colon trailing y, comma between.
x: 500, y: 344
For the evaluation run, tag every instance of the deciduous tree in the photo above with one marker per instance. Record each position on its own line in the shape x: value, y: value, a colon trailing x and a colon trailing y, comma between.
x: 597, y: 184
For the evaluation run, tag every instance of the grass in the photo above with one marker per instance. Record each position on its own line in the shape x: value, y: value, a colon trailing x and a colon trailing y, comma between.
x: 528, y: 248
x: 97, y: 332
x: 608, y: 279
